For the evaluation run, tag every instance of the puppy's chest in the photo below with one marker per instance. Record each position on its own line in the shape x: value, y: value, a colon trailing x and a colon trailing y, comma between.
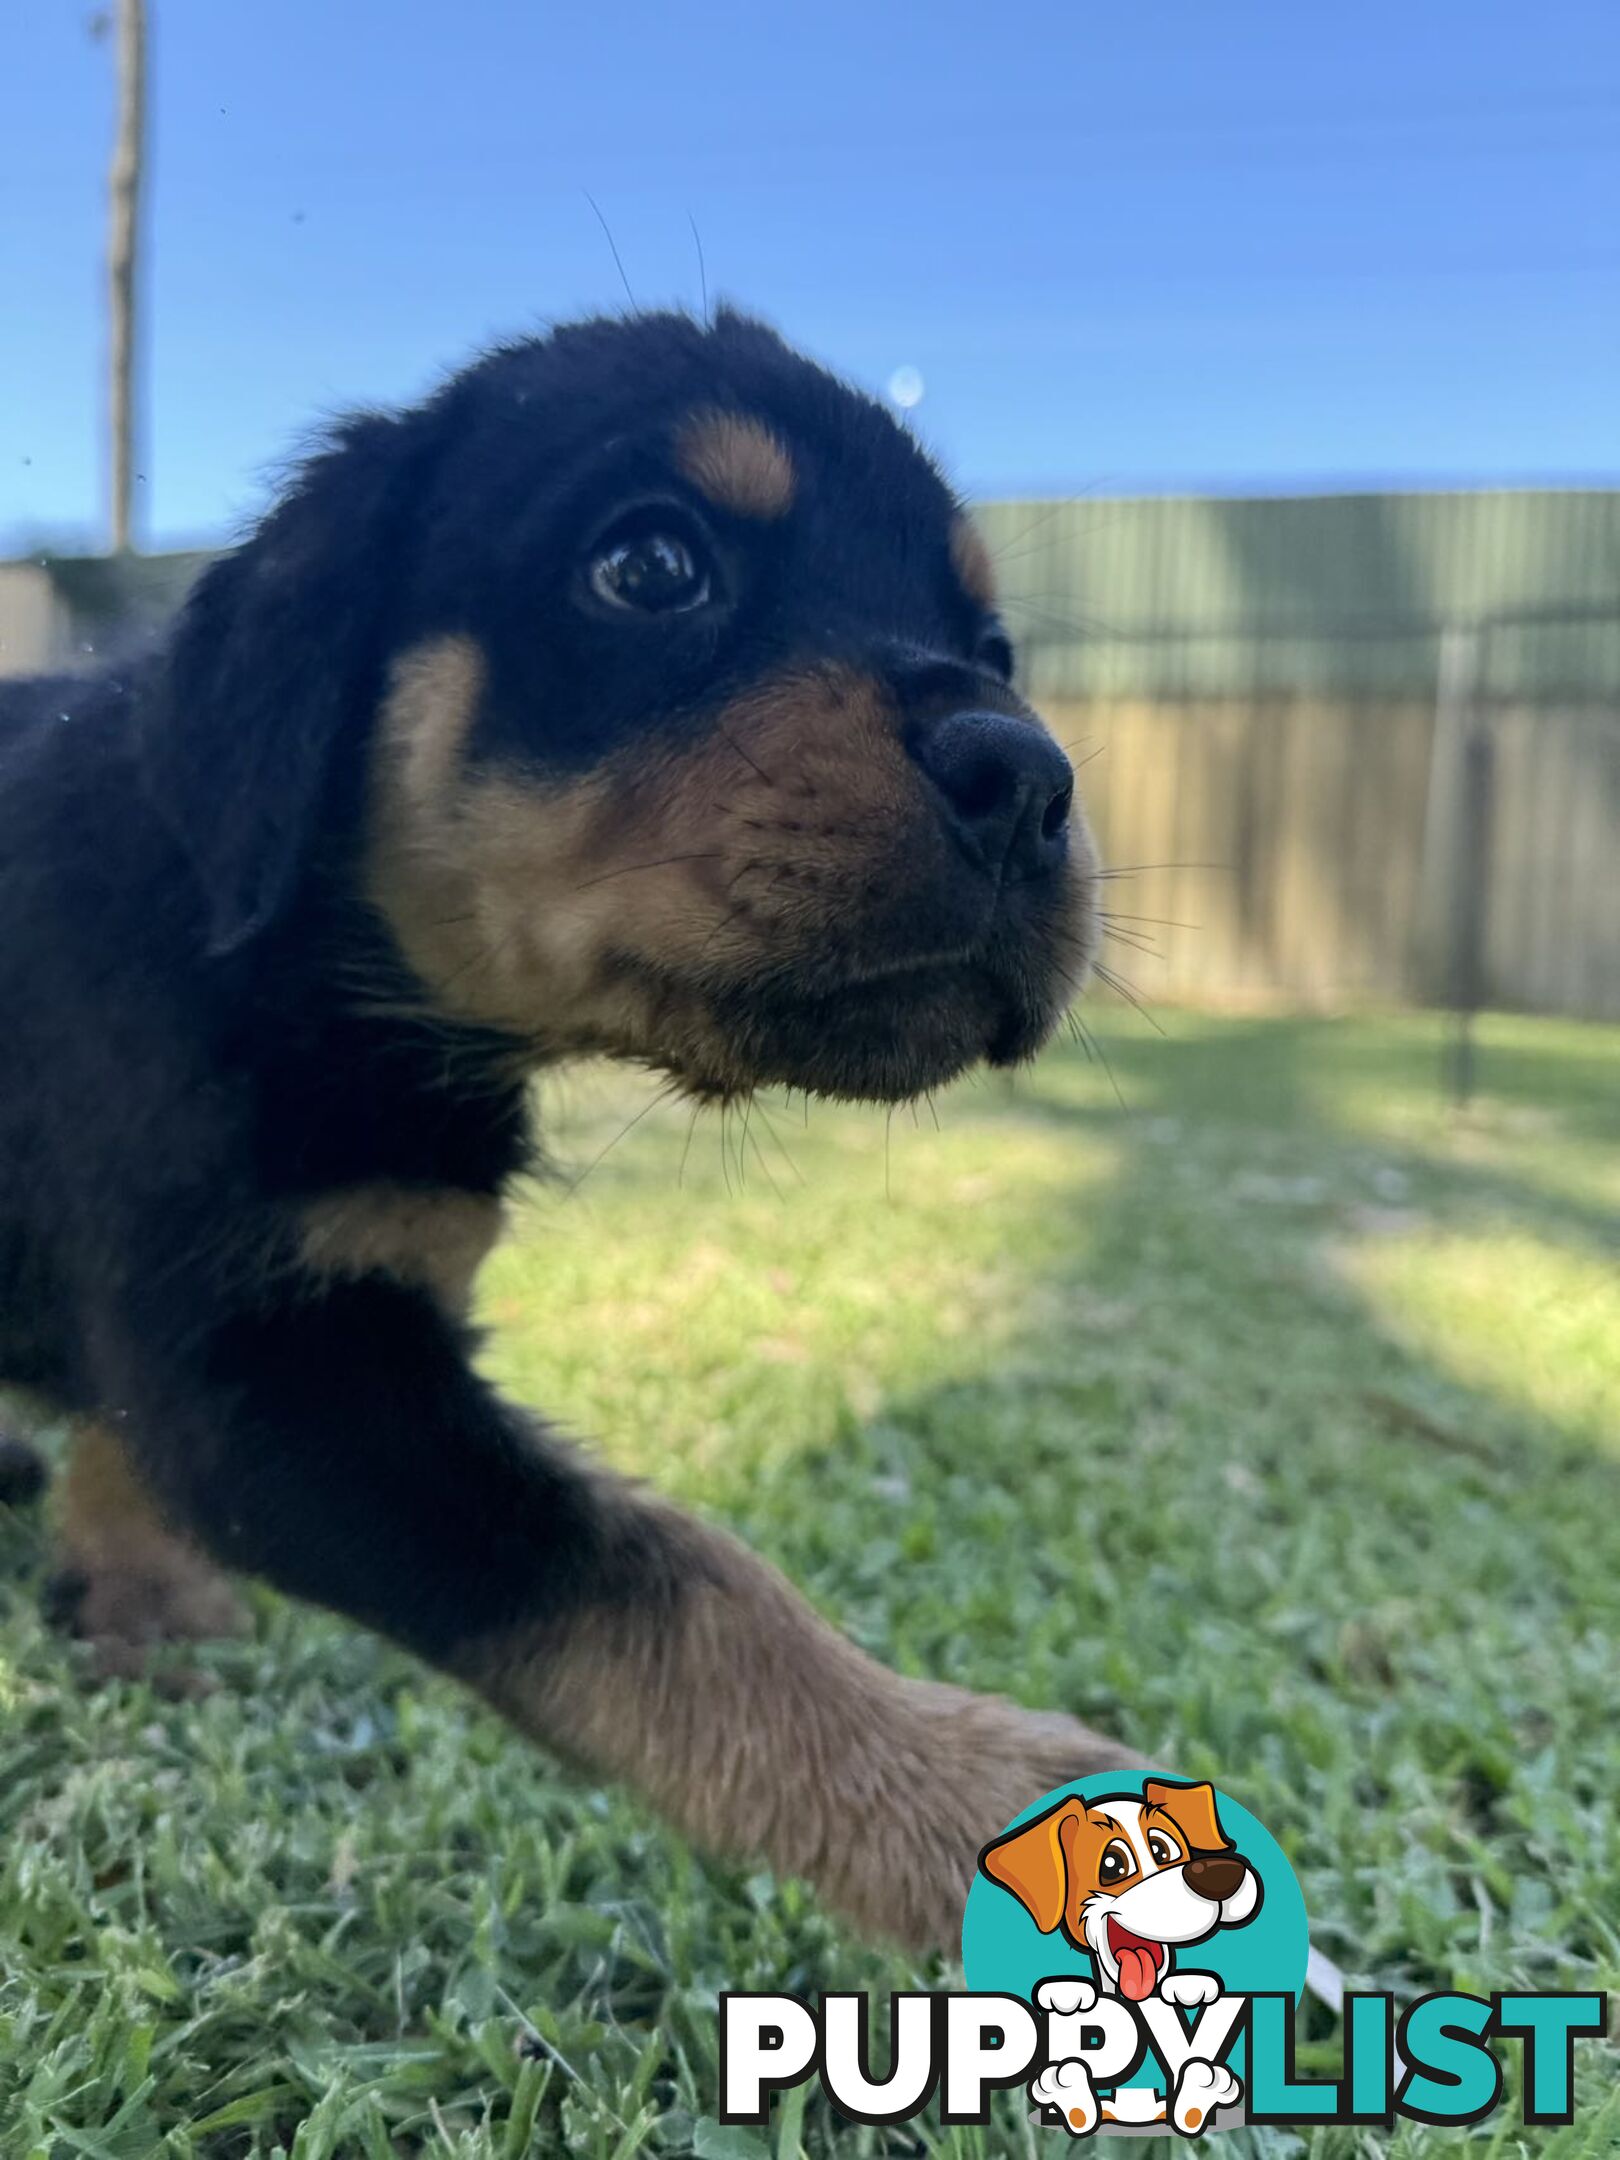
x: 431, y: 1238
x: 386, y: 1168
x: 401, y: 1184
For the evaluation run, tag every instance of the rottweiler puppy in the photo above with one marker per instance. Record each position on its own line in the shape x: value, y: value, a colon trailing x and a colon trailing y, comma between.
x: 640, y: 694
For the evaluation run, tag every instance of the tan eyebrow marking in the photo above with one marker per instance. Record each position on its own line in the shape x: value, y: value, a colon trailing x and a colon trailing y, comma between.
x: 970, y: 559
x: 738, y: 462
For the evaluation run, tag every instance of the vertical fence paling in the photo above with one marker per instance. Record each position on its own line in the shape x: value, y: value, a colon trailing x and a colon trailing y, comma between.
x: 1456, y: 841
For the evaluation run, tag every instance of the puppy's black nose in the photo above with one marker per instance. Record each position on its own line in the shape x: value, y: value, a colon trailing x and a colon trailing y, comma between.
x: 1007, y: 785
x: 1216, y: 1877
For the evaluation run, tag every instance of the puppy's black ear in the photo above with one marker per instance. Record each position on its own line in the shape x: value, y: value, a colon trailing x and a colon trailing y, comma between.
x: 275, y: 662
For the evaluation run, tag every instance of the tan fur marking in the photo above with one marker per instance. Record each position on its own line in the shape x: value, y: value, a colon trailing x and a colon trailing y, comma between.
x: 512, y: 898
x: 145, y: 1582
x: 738, y: 462
x: 473, y: 874
x: 435, y: 692
x: 437, y: 1240
x: 761, y: 1732
x: 970, y: 559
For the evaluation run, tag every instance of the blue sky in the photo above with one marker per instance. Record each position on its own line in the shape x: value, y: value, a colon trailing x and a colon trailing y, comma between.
x: 1258, y: 246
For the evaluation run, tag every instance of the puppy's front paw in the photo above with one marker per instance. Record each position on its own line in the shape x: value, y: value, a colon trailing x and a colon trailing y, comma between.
x: 128, y: 1615
x: 951, y: 1771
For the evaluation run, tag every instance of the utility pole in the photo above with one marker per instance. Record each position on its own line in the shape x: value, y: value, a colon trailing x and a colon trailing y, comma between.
x: 126, y: 181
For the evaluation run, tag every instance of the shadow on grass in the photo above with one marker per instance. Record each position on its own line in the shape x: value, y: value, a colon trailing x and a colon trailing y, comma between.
x: 1211, y: 1497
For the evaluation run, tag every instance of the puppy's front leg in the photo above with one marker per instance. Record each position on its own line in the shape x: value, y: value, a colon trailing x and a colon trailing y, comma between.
x: 758, y: 1729
x: 341, y: 1447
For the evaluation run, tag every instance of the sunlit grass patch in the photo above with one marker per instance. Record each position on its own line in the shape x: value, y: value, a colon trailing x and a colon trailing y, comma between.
x: 695, y: 1317
x: 1531, y: 1326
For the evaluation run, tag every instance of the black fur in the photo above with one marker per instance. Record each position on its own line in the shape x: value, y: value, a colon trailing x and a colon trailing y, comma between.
x: 184, y: 1059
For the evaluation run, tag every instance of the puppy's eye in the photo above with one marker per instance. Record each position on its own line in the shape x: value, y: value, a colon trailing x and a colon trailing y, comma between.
x: 995, y: 654
x: 1117, y: 1862
x: 1164, y: 1853
x: 651, y: 570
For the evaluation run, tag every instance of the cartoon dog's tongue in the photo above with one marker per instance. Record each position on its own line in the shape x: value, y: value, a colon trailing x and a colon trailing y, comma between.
x: 1139, y: 1961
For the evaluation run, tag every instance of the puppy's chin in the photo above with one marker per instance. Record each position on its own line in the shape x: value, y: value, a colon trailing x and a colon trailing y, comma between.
x: 891, y: 1029
x: 883, y: 1039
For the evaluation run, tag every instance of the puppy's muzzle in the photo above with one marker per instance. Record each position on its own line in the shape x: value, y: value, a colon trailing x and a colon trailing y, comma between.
x: 1006, y: 787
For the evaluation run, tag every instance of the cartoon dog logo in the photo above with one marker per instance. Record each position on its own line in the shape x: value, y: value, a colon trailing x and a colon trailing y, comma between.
x: 1130, y: 1879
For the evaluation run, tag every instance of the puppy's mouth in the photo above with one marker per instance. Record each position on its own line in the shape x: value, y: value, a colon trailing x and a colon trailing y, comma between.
x: 1140, y: 1961
x: 885, y: 1035
x: 879, y: 1005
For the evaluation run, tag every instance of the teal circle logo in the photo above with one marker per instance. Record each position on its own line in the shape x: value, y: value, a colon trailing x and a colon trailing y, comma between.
x: 1126, y: 1893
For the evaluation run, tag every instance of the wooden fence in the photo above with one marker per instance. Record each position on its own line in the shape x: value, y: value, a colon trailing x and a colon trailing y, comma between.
x: 1323, y: 852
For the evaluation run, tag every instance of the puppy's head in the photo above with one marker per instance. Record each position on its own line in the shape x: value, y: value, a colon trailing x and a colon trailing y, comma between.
x: 677, y: 721
x: 1128, y: 1877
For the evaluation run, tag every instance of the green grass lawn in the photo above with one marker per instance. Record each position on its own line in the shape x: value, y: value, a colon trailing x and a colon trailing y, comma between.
x: 1272, y: 1420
